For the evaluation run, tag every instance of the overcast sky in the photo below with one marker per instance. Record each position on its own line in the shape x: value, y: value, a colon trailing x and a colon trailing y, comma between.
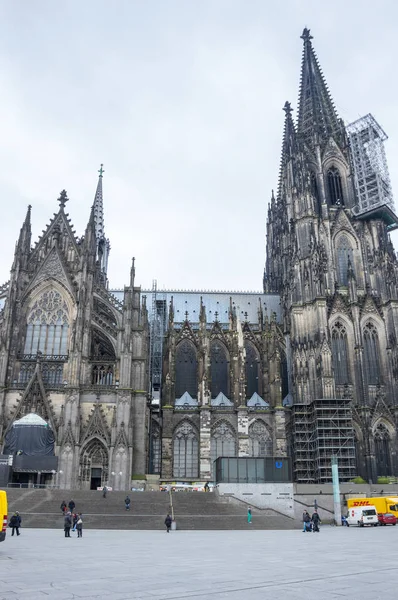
x: 182, y: 102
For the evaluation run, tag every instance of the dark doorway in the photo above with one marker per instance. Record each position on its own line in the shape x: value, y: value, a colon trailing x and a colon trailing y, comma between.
x: 96, y: 479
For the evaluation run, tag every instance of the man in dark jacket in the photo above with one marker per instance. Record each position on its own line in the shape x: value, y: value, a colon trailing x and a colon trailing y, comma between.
x: 63, y: 506
x: 315, y: 521
x: 15, y: 522
x: 67, y: 524
x: 127, y: 502
x: 167, y: 522
x: 306, y: 521
x: 71, y: 506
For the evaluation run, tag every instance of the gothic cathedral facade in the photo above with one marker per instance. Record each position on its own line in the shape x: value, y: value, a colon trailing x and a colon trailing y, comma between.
x: 306, y: 368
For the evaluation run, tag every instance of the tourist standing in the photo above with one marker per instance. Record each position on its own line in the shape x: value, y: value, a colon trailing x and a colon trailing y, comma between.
x: 75, y: 518
x: 79, y: 526
x: 249, y: 515
x: 71, y: 506
x: 306, y: 521
x: 67, y: 524
x: 127, y: 502
x: 104, y: 490
x: 167, y: 522
x: 15, y: 522
x: 315, y: 521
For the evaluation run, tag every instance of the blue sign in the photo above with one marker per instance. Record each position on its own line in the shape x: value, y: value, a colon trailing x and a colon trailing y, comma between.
x: 278, y: 464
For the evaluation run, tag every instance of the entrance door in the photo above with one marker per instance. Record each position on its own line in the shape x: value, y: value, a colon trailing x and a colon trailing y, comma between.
x: 96, y: 478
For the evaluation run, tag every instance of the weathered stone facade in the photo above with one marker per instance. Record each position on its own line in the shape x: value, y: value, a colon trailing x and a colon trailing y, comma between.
x: 73, y: 353
x: 337, y: 274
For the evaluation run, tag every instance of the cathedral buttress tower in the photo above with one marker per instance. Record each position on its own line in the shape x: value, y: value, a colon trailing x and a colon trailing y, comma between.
x: 336, y: 272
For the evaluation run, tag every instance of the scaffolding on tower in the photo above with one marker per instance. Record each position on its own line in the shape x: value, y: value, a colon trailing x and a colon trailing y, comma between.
x: 371, y: 176
x: 157, y: 333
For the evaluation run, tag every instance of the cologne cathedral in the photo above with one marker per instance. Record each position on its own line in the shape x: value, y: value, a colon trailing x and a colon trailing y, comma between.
x: 135, y: 382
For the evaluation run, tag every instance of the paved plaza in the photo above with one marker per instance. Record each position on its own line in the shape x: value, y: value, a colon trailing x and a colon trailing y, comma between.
x: 238, y: 565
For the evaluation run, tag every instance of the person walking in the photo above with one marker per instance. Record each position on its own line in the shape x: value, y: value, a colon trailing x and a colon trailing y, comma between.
x: 79, y: 526
x: 63, y: 506
x: 104, y: 491
x: 15, y: 522
x: 71, y: 506
x: 127, y: 502
x: 306, y: 521
x: 67, y: 524
x: 249, y: 515
x: 316, y: 520
x: 167, y: 522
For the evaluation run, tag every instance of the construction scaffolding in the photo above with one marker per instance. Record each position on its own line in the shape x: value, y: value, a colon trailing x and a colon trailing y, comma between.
x: 157, y: 333
x: 320, y: 430
x: 371, y: 176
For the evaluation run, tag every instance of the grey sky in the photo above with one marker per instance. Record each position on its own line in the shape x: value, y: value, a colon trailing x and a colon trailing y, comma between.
x: 182, y: 102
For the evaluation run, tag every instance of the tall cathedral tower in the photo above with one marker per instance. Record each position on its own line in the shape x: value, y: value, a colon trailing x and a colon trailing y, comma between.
x: 330, y: 258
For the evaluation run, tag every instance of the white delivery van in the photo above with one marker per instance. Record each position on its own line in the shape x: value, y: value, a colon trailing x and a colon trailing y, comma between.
x: 362, y: 515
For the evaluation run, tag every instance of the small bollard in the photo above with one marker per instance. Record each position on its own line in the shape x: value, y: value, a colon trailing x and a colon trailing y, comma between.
x: 173, y: 525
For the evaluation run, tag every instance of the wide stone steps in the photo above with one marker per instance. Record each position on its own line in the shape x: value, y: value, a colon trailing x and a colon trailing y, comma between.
x: 192, y: 510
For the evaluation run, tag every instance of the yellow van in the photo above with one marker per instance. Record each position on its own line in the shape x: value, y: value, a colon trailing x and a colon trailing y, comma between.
x: 3, y: 515
x: 383, y: 504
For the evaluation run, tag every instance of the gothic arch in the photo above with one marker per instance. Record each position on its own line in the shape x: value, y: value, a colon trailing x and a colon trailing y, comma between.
x: 382, y: 444
x: 334, y: 162
x: 260, y: 439
x: 341, y: 355
x: 94, y: 462
x: 102, y: 345
x: 186, y: 369
x: 373, y: 344
x: 219, y: 368
x: 223, y: 441
x: 48, y: 315
x: 252, y: 369
x: 46, y: 286
x: 185, y: 450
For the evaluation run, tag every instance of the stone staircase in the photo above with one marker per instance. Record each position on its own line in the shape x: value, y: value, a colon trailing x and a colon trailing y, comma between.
x: 193, y: 510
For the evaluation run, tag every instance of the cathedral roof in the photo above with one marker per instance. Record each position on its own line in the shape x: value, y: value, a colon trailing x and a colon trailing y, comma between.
x: 246, y: 304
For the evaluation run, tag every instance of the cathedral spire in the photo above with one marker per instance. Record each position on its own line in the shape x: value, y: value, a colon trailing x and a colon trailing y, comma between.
x: 317, y: 117
x: 25, y: 236
x: 103, y: 245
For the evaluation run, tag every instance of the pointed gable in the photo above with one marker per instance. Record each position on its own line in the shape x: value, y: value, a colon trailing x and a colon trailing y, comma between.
x: 256, y: 400
x: 96, y: 426
x: 369, y: 307
x: 52, y: 268
x: 221, y: 400
x: 34, y: 399
x: 186, y: 400
x: 342, y: 222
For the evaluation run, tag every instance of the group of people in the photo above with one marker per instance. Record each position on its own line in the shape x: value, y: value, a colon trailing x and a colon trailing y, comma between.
x: 311, y: 523
x: 72, y: 520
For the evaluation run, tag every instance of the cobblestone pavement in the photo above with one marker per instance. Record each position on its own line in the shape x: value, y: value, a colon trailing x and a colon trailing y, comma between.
x: 238, y: 565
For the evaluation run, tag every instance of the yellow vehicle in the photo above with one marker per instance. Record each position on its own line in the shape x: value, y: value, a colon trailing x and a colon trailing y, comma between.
x: 3, y: 515
x: 383, y: 504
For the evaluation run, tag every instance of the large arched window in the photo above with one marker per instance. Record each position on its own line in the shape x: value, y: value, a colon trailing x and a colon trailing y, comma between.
x: 345, y: 258
x: 335, y: 186
x: 371, y: 354
x: 185, y: 452
x: 260, y: 441
x: 340, y: 354
x: 48, y: 326
x: 186, y: 370
x: 219, y: 369
x: 252, y: 367
x: 382, y: 450
x: 223, y: 442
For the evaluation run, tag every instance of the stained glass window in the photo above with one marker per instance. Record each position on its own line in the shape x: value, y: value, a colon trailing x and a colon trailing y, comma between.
x: 345, y: 257
x: 335, y: 187
x: 186, y: 370
x: 48, y: 326
x: 260, y: 441
x: 340, y: 354
x: 185, y: 452
x: 371, y: 354
x: 252, y: 367
x: 219, y: 369
x: 382, y: 450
